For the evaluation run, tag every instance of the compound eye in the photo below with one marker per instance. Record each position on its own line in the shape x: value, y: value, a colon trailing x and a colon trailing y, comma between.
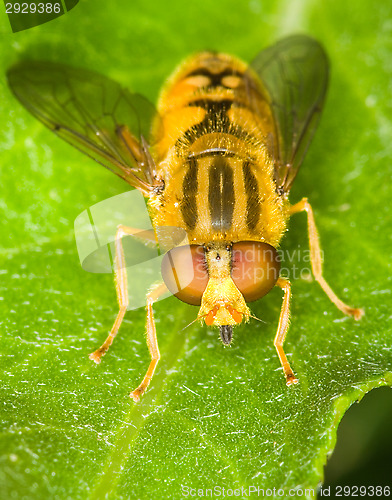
x: 255, y: 268
x: 184, y: 272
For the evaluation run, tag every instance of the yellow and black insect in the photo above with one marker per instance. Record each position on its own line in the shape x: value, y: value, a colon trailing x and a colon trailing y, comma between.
x: 217, y: 160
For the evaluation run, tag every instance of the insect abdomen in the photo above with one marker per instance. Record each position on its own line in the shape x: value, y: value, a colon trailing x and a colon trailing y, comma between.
x: 215, y: 124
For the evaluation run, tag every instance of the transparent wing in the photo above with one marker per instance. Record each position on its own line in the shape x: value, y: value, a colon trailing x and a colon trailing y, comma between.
x: 91, y: 112
x: 294, y: 73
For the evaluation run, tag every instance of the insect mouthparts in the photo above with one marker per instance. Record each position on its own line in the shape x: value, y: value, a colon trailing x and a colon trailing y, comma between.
x: 226, y: 334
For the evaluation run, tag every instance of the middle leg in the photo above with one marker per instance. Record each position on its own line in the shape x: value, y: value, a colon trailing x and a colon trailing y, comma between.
x: 284, y: 322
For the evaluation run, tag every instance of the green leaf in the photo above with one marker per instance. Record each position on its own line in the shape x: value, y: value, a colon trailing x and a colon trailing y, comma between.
x: 213, y: 416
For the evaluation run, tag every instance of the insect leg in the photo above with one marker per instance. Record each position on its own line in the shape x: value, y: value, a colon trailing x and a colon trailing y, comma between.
x: 316, y: 260
x: 121, y: 287
x: 152, y: 341
x: 284, y: 321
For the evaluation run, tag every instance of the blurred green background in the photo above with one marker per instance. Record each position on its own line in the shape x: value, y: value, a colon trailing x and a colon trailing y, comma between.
x: 212, y: 415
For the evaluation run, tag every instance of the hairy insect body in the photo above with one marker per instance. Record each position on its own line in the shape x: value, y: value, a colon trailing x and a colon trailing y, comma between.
x: 213, y: 157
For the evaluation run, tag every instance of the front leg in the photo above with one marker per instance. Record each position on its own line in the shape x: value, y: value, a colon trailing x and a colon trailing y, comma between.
x: 316, y: 260
x: 152, y: 341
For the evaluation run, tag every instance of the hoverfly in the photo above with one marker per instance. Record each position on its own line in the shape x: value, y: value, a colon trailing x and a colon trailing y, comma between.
x: 217, y: 160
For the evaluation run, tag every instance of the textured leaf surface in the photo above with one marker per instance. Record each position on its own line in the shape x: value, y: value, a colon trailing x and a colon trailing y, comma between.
x: 214, y: 416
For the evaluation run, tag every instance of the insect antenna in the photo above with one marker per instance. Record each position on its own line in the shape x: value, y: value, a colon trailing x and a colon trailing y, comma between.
x: 194, y: 321
x: 258, y: 319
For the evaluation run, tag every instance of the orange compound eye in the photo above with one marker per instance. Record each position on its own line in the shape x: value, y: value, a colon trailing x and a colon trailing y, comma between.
x: 255, y: 268
x: 184, y: 272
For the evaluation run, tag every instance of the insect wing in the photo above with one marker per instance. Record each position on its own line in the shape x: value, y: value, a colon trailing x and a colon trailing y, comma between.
x: 91, y: 112
x: 294, y: 73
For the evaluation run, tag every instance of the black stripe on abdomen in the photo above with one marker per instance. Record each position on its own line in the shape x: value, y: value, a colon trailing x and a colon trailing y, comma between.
x: 252, y: 197
x: 215, y: 120
x: 189, y: 190
x: 221, y: 194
